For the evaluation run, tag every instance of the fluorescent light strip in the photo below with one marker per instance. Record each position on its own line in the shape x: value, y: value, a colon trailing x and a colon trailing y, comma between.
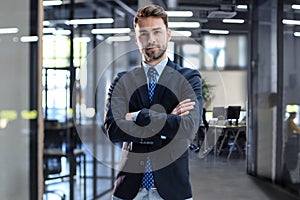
x: 110, y: 30
x: 234, y: 21
x: 184, y: 24
x: 62, y: 32
x: 46, y: 23
x: 99, y: 37
x: 242, y: 7
x: 8, y: 30
x: 118, y: 39
x: 296, y: 6
x: 90, y: 21
x: 291, y: 22
x: 218, y: 31
x: 48, y: 30
x: 181, y: 33
x: 179, y: 13
x: 52, y: 3
x: 29, y: 38
x: 82, y: 39
x: 297, y: 34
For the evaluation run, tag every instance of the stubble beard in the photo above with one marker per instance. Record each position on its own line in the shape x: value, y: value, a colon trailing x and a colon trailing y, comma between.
x: 154, y: 55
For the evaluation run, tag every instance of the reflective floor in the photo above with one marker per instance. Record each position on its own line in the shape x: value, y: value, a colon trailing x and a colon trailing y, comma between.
x: 212, y: 178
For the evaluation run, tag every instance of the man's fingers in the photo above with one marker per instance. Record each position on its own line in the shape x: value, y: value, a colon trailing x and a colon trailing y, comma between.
x: 185, y: 113
x: 183, y: 107
x: 184, y: 102
x: 186, y: 106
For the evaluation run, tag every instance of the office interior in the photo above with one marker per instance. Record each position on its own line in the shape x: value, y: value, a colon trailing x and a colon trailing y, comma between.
x: 57, y: 68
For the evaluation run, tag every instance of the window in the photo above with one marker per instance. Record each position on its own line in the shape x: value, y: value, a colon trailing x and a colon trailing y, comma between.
x: 56, y: 74
x: 216, y: 52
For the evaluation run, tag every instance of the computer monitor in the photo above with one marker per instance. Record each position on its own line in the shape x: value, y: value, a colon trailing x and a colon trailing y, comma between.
x: 233, y: 113
x: 219, y: 112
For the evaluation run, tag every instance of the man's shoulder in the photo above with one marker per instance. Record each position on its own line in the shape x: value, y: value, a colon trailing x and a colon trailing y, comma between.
x: 186, y: 71
x: 182, y: 69
x: 131, y: 70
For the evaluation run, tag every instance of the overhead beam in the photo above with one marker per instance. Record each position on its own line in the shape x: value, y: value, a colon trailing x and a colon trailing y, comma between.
x: 125, y: 7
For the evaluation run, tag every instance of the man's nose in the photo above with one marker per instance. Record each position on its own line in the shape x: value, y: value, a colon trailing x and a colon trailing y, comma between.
x: 151, y: 38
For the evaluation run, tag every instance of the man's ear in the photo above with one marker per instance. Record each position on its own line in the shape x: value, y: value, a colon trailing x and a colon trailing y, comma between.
x: 169, y: 34
x: 135, y: 37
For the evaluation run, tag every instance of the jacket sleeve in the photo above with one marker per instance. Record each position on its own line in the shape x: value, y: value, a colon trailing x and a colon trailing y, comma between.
x: 117, y: 127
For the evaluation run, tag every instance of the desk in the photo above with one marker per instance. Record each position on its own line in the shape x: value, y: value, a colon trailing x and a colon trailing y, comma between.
x: 64, y: 133
x: 234, y: 129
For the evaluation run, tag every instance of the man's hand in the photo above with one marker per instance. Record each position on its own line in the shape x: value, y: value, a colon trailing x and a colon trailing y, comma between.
x: 184, y: 107
x: 130, y: 116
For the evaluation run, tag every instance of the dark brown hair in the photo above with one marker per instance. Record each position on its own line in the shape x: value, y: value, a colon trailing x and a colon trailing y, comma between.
x: 151, y: 11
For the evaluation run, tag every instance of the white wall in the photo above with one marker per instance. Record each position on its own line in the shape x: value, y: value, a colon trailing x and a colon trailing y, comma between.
x: 230, y: 87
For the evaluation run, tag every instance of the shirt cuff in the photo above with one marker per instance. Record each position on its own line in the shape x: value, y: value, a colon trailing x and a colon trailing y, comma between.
x: 135, y: 116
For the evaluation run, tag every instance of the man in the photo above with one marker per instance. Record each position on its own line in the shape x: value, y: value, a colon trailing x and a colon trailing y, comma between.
x: 157, y: 125
x: 291, y: 127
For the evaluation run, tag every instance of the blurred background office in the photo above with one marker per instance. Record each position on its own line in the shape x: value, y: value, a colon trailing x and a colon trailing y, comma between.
x: 58, y: 58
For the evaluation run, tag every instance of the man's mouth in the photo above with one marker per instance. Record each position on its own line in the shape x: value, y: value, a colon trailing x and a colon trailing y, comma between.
x: 151, y: 48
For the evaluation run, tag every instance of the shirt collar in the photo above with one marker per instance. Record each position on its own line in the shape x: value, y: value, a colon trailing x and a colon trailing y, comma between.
x: 159, y: 66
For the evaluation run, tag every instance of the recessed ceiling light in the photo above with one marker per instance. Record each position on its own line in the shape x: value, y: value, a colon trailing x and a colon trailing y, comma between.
x: 90, y: 21
x: 110, y: 30
x: 29, y: 38
x: 296, y: 6
x: 242, y: 7
x: 118, y: 39
x: 8, y: 30
x: 52, y: 3
x: 218, y: 31
x: 297, y: 34
x: 184, y: 24
x: 179, y: 13
x: 181, y: 33
x: 234, y: 21
x: 291, y: 22
x: 62, y: 32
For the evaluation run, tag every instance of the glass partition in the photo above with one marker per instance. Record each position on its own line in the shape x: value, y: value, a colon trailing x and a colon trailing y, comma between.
x: 20, y: 119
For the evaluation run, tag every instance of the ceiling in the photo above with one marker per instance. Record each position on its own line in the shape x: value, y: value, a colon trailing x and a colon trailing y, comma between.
x: 123, y: 12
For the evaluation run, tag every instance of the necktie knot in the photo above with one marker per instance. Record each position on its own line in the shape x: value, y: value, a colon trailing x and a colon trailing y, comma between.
x: 152, y: 74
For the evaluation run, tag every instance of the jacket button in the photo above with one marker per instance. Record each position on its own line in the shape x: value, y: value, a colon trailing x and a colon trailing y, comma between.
x: 142, y: 162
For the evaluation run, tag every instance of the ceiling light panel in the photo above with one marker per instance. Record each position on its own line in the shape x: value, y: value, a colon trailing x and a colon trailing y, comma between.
x: 179, y: 13
x: 184, y: 24
x: 233, y: 21
x: 90, y: 21
x: 110, y: 30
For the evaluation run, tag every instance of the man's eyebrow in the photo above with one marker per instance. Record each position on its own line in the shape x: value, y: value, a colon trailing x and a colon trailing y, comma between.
x: 156, y: 29
x: 146, y: 30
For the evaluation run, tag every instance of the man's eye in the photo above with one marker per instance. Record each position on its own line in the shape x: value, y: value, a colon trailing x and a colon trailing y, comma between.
x: 143, y: 34
x: 157, y: 32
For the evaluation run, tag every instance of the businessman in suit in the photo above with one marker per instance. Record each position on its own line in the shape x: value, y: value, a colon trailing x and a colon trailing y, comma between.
x: 155, y: 111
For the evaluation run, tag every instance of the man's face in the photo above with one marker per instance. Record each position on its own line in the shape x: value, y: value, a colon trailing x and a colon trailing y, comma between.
x: 152, y: 38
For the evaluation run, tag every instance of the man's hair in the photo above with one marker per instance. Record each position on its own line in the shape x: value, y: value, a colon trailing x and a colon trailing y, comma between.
x: 151, y: 11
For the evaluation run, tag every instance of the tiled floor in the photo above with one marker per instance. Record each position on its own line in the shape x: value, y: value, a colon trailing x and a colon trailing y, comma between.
x: 212, y: 179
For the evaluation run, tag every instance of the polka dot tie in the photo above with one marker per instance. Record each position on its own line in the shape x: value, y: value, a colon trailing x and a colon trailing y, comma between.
x: 148, y: 180
x: 152, y: 74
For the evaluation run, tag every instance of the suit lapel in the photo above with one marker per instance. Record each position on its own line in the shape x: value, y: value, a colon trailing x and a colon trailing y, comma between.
x: 141, y: 84
x: 164, y: 79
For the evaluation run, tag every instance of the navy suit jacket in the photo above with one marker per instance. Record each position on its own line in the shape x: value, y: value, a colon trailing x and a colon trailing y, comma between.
x: 156, y: 133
